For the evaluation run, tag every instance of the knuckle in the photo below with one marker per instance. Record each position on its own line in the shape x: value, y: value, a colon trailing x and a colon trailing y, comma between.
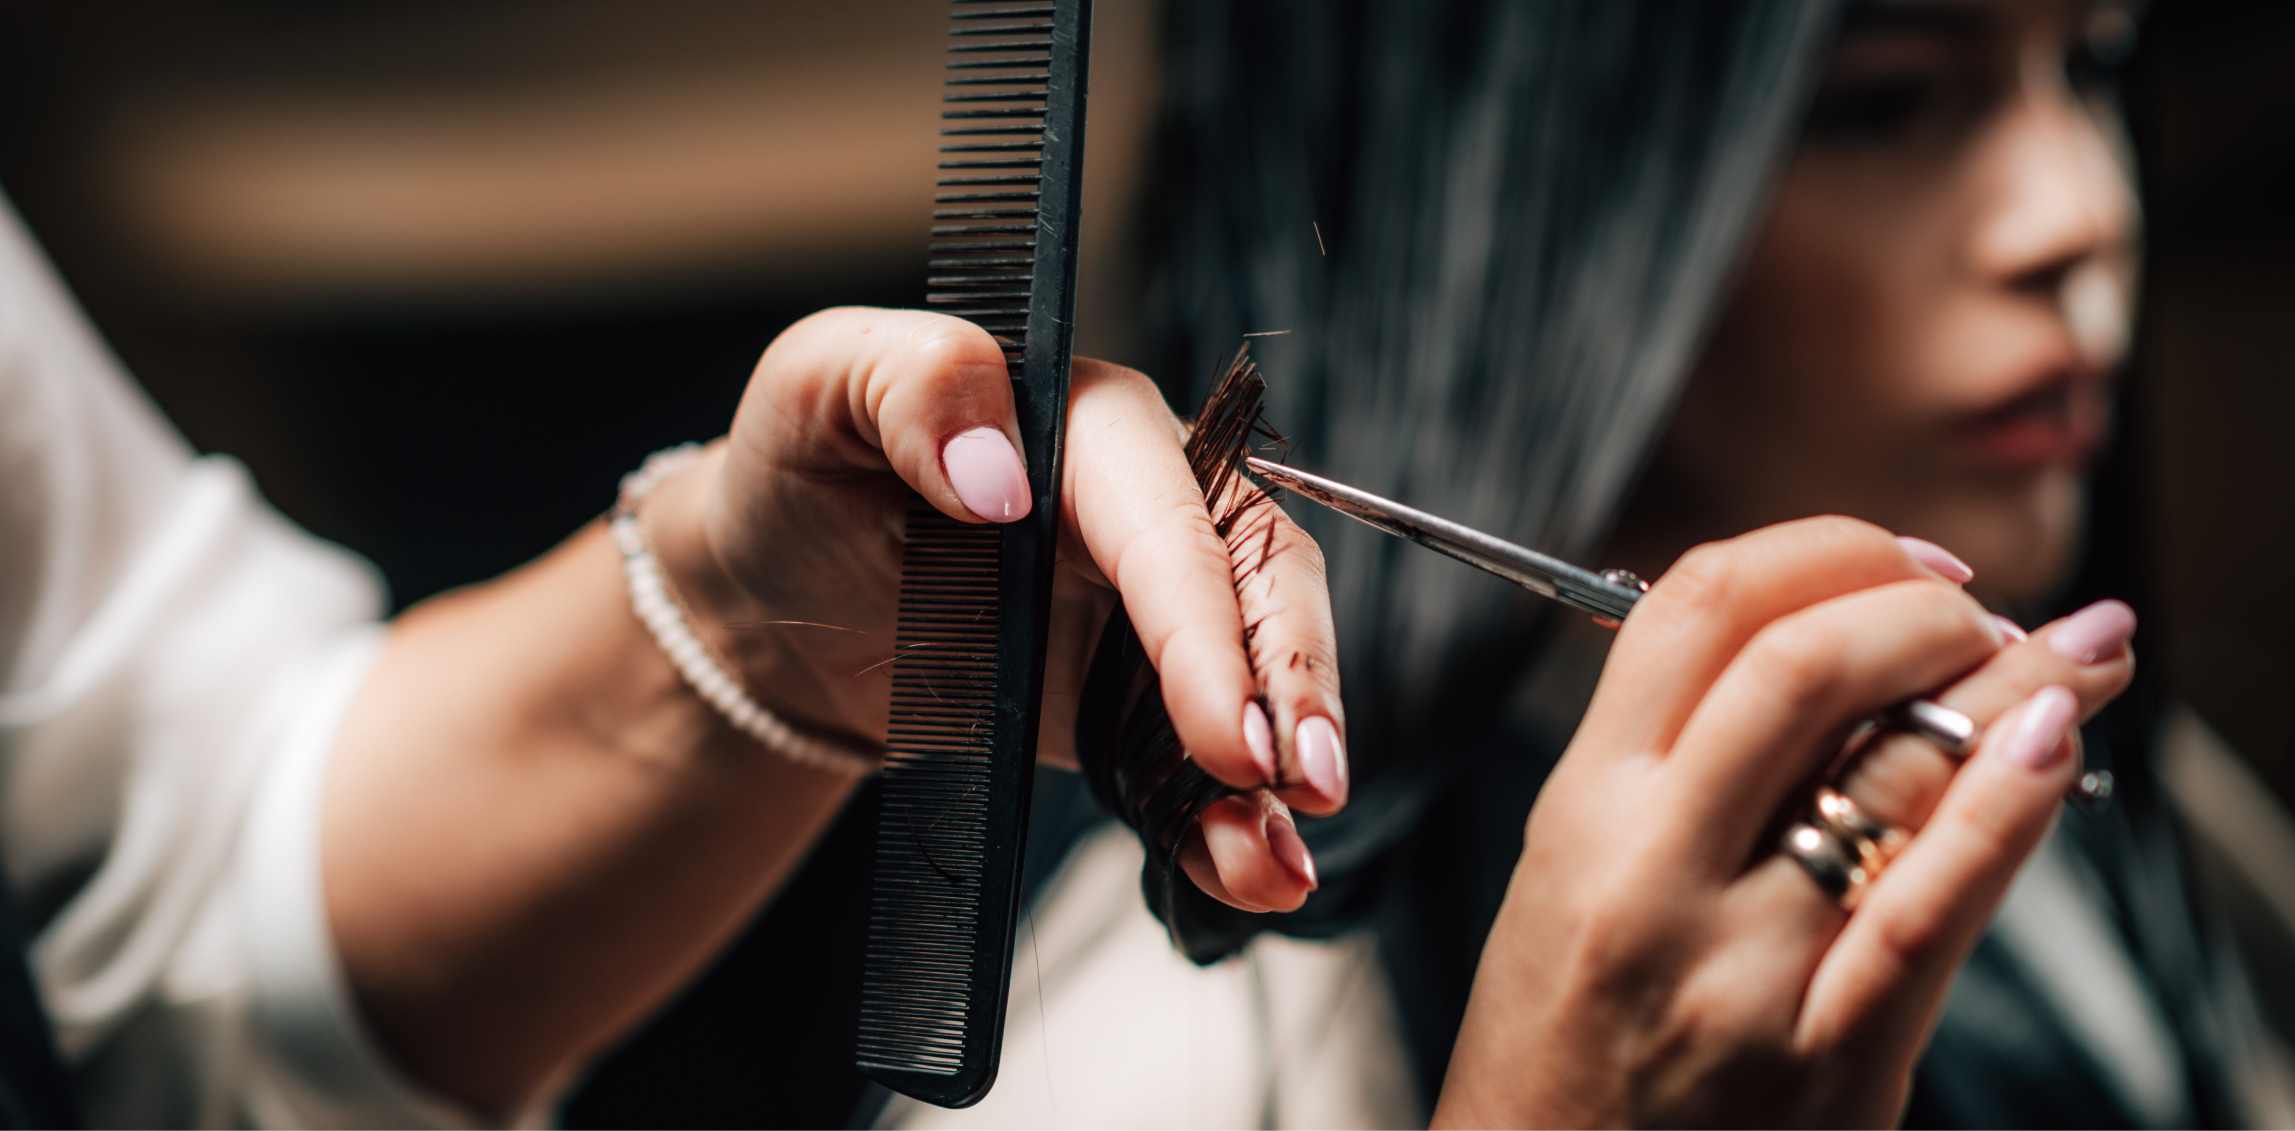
x: 1951, y: 611
x: 1851, y: 532
x: 1987, y: 841
x: 1306, y: 670
x: 1836, y: 538
x: 1090, y: 379
x: 1180, y: 509
x: 954, y: 353
x: 1797, y: 660
x: 1901, y: 941
x: 1093, y: 371
x: 1613, y: 943
x: 1305, y: 553
x: 1707, y: 575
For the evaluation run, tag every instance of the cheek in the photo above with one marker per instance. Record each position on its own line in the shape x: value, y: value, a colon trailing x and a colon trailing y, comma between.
x: 1801, y: 402
x: 1840, y: 307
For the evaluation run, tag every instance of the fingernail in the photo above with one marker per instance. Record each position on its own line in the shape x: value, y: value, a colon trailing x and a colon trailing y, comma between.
x: 1940, y: 561
x: 1290, y: 851
x: 2094, y: 633
x: 1260, y: 738
x: 2012, y: 630
x: 2036, y: 739
x: 1322, y: 758
x: 987, y: 475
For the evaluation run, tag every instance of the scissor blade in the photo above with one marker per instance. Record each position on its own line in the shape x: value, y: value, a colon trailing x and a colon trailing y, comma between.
x: 1548, y: 576
x: 1585, y: 590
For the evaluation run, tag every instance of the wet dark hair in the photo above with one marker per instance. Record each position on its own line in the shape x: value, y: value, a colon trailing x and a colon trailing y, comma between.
x: 1497, y: 231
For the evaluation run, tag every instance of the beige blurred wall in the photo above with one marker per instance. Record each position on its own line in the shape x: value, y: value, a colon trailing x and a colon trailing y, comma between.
x: 512, y: 149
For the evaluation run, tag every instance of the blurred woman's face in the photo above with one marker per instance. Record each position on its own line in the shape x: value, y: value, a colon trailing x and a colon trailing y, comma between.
x: 1930, y: 315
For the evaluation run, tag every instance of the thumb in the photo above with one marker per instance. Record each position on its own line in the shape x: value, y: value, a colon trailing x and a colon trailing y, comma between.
x: 924, y: 395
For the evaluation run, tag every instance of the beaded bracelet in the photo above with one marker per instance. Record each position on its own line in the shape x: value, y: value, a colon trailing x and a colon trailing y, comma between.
x: 656, y: 603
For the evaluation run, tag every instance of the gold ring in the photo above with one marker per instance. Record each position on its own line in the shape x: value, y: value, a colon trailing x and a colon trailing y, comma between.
x: 1876, y: 844
x: 1829, y: 862
x: 1842, y: 848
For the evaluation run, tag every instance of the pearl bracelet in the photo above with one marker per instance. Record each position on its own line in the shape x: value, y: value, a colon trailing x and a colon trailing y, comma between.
x: 665, y: 616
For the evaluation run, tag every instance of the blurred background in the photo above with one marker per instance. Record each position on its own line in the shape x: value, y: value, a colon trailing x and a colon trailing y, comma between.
x: 440, y: 272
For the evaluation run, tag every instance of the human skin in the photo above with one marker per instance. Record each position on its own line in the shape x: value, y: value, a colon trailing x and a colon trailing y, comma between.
x: 1655, y: 960
x: 533, y: 832
x: 1927, y: 322
x: 1921, y: 337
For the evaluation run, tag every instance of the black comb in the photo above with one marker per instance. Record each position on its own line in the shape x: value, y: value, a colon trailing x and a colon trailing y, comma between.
x: 968, y: 673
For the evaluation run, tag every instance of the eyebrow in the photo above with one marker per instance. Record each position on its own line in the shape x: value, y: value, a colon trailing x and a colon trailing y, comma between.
x: 1960, y: 21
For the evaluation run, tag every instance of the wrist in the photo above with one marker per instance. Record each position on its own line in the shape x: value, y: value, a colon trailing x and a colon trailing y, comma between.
x: 720, y: 635
x: 673, y: 519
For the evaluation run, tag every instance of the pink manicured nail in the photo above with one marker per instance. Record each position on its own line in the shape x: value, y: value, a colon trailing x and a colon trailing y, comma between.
x: 987, y: 475
x: 2036, y: 739
x: 2094, y: 633
x: 1939, y: 560
x: 1290, y: 851
x: 1322, y: 758
x: 2012, y: 630
x: 1260, y: 738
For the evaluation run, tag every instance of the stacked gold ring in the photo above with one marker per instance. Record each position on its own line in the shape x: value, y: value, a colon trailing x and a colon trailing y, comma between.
x: 1828, y: 861
x: 1841, y: 848
x: 1876, y: 844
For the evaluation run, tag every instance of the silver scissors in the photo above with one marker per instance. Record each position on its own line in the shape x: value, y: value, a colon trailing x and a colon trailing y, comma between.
x: 1608, y: 596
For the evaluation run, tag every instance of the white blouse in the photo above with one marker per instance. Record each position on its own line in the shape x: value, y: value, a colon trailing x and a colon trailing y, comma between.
x: 174, y: 660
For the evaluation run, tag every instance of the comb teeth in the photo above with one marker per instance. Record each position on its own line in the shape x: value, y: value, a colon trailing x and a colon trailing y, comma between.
x: 975, y: 273
x: 975, y: 605
x: 916, y: 992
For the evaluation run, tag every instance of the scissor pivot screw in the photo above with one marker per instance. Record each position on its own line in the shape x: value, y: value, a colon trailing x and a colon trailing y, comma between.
x: 1626, y: 578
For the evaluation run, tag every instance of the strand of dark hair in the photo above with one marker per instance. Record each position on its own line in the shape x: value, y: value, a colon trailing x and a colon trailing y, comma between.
x: 1125, y: 742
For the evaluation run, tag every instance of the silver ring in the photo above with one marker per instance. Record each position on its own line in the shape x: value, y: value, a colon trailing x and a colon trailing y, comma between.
x: 1955, y: 734
x: 1951, y: 731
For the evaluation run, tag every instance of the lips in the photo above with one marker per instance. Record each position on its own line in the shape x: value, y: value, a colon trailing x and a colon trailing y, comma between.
x: 2060, y: 422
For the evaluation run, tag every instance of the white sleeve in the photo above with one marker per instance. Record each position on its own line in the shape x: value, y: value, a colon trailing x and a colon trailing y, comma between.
x: 175, y: 659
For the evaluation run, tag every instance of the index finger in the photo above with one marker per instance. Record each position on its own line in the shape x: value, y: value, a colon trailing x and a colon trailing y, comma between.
x: 1697, y: 617
x: 1136, y: 505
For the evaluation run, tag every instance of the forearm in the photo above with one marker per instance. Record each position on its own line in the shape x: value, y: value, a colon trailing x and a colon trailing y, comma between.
x: 534, y: 832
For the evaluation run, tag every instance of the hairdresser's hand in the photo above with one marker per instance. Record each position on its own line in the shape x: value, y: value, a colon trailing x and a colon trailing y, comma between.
x: 791, y: 558
x: 534, y: 832
x: 1656, y: 961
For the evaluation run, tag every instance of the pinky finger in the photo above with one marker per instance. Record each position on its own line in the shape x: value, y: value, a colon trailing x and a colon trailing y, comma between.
x: 1883, y: 982
x: 1246, y: 853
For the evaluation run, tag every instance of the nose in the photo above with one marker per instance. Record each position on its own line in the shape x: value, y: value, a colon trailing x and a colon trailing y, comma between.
x: 2059, y: 203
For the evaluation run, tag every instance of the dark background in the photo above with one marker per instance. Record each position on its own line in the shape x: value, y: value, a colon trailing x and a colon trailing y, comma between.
x: 2212, y: 417
x: 440, y: 272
